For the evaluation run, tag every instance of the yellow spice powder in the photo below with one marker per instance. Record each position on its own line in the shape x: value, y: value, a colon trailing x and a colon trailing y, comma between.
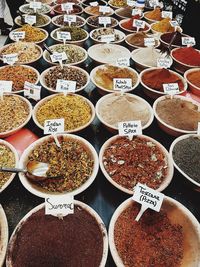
x: 163, y: 26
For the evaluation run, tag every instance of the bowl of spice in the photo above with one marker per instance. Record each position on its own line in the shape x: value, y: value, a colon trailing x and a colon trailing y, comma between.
x: 4, y: 235
x: 167, y: 238
x: 76, y: 10
x: 32, y: 34
x: 163, y: 26
x: 42, y: 20
x: 127, y: 25
x: 126, y: 162
x: 136, y: 40
x: 15, y: 113
x: 75, y: 163
x: 45, y: 9
x: 78, y: 112
x: 95, y: 11
x: 76, y: 55
x: 93, y: 22
x: 69, y: 1
x: 78, y: 35
x: 28, y: 53
x: 108, y: 53
x: 116, y: 107
x: 79, y: 238
x: 103, y: 77
x: 192, y: 77
x: 48, y: 2
x: 165, y: 39
x: 177, y: 115
x: 97, y: 34
x: 153, y: 15
x: 115, y: 4
x: 86, y: 3
x: 49, y: 77
x: 185, y: 58
x: 59, y: 21
x: 152, y: 81
x: 9, y: 158
x: 125, y: 12
x: 19, y: 74
x: 185, y: 152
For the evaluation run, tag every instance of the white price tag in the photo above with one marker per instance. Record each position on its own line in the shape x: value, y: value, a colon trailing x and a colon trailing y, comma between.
x: 149, y: 41
x: 32, y: 91
x: 59, y: 206
x: 64, y: 35
x: 153, y: 3
x: 67, y: 6
x: 16, y: 36
x: 30, y: 19
x: 136, y: 11
x: 107, y: 38
x: 198, y: 129
x: 122, y: 84
x: 5, y: 87
x: 188, y: 41
x: 104, y: 9
x: 69, y: 18
x: 148, y: 198
x: 56, y: 57
x: 138, y: 23
x: 54, y: 126
x: 123, y: 62
x: 130, y: 128
x: 104, y: 20
x: 65, y: 86
x: 94, y: 3
x: 35, y: 5
x: 10, y: 58
x: 174, y: 23
x: 166, y: 14
x: 164, y: 62
x: 171, y: 88
x: 131, y: 3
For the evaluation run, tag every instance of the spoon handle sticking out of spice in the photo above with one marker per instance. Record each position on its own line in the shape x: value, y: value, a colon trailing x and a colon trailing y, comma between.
x: 48, y: 49
x: 56, y: 140
x: 21, y: 16
x: 142, y: 210
x: 167, y: 49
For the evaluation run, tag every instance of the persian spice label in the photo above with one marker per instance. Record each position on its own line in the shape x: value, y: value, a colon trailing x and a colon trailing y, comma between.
x: 10, y: 58
x: 94, y: 4
x: 32, y: 91
x: 122, y: 84
x: 54, y: 126
x: 149, y: 41
x: 59, y: 206
x: 5, y: 86
x: 108, y: 38
x: 65, y: 86
x: 166, y: 14
x: 30, y: 19
x: 56, y: 57
x: 171, y: 88
x: 104, y: 20
x: 138, y: 23
x: 130, y: 128
x: 17, y: 35
x: 188, y: 41
x: 123, y: 62
x: 104, y: 9
x: 35, y: 5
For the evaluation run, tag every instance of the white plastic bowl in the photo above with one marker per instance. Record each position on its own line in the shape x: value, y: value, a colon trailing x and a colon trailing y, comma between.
x: 118, y: 32
x: 18, y: 21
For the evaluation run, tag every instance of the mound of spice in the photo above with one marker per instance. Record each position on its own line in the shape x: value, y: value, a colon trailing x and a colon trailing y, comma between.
x: 65, y: 73
x: 40, y: 20
x: 187, y: 55
x: 163, y: 26
x: 97, y: 34
x: 7, y: 159
x: 18, y: 74
x: 194, y: 78
x: 116, y: 108
x: 76, y: 9
x: 137, y: 39
x: 179, y: 113
x: 105, y: 74
x: 77, y: 33
x: 14, y: 112
x: 153, y: 241
x: 27, y: 9
x: 118, y: 3
x: 94, y: 21
x: 44, y: 240
x: 167, y: 37
x: 32, y: 34
x: 60, y: 21
x: 128, y: 25
x: 146, y: 56
x: 186, y: 155
x: 138, y: 160
x: 72, y: 161
x: 73, y: 108
x: 154, y: 14
x: 94, y: 11
x: 157, y: 77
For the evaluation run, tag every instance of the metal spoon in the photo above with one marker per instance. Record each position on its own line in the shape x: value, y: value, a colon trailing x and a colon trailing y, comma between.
x: 35, y: 171
x: 48, y: 49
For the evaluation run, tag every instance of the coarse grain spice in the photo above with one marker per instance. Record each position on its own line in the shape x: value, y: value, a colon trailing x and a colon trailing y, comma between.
x: 32, y: 34
x: 94, y: 21
x: 77, y: 33
x: 128, y: 162
x: 60, y: 21
x: 73, y: 162
x: 152, y: 242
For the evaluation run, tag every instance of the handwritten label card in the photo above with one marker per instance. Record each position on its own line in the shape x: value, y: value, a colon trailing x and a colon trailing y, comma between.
x: 64, y: 36
x: 35, y: 5
x: 32, y: 91
x: 130, y: 128
x: 107, y: 38
x: 148, y: 198
x: 122, y: 84
x: 10, y: 58
x: 131, y: 3
x: 104, y: 9
x: 94, y: 3
x: 57, y: 57
x: 166, y: 14
x: 16, y: 36
x: 69, y: 18
x: 174, y: 23
x: 138, y: 24
x: 136, y: 11
x: 67, y: 6
x: 188, y: 41
x: 54, y: 126
x: 65, y: 86
x: 59, y: 206
x: 5, y: 87
x: 149, y: 41
x: 153, y: 3
x: 123, y: 62
x: 30, y: 19
x: 164, y: 62
x: 171, y: 88
x: 104, y: 20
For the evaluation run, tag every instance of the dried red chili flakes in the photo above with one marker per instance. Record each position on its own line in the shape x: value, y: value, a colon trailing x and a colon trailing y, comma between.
x: 138, y: 160
x: 152, y: 242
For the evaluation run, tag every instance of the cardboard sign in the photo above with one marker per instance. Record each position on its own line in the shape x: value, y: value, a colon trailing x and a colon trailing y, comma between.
x: 59, y: 206
x: 104, y: 9
x: 122, y: 84
x: 16, y: 36
x: 166, y: 14
x: 138, y: 23
x: 35, y: 5
x: 130, y: 128
x: 136, y: 11
x: 63, y: 35
x: 67, y: 6
x: 107, y: 38
x: 57, y: 57
x: 149, y: 42
x: 188, y: 41
x: 104, y: 20
x: 94, y: 3
x: 5, y: 87
x: 54, y: 126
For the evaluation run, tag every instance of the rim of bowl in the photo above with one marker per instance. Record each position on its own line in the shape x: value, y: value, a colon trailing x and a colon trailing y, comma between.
x: 94, y: 70
x: 68, y: 41
x: 77, y: 16
x: 40, y: 193
x: 40, y: 26
x: 134, y: 46
x: 189, y: 82
x: 185, y: 136
x: 159, y: 92
x: 66, y: 64
x: 42, y: 101
x: 173, y: 45
x: 25, y: 66
x: 164, y: 183
x: 92, y: 14
x: 63, y: 12
x: 4, y: 235
x: 95, y: 46
x: 38, y: 42
x: 42, y: 75
x: 14, y: 151
x: 132, y: 31
x: 124, y: 205
x: 164, y: 123
x: 154, y: 31
x: 99, y: 102
x: 26, y: 5
x: 181, y: 63
x: 123, y: 17
x: 122, y: 35
x: 29, y: 106
x: 87, y: 208
x: 96, y: 27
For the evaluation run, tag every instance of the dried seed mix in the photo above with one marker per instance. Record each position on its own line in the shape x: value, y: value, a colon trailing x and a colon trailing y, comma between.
x: 32, y: 34
x: 60, y: 21
x: 77, y: 33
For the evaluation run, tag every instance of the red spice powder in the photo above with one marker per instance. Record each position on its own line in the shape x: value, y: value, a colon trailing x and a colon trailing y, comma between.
x: 187, y: 55
x: 152, y: 242
x: 129, y: 24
